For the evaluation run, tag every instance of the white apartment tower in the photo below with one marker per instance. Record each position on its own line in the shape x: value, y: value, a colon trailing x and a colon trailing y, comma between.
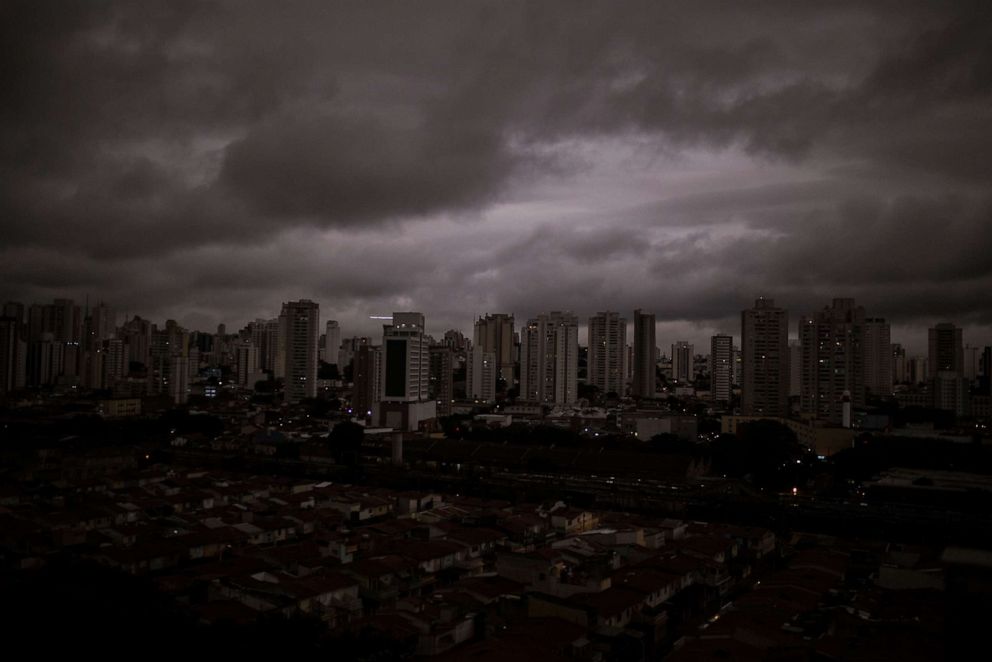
x: 406, y: 359
x: 480, y: 375
x: 549, y: 359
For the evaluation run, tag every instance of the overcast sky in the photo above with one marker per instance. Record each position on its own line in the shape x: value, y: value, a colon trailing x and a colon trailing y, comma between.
x: 206, y: 161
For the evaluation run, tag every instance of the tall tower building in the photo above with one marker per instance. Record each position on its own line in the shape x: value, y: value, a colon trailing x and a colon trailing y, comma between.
x: 178, y: 367
x: 833, y: 373
x: 9, y: 346
x: 480, y: 375
x: 900, y: 372
x: 795, y: 368
x: 112, y: 362
x: 332, y: 342
x: 946, y: 350
x: 607, y: 352
x: 265, y: 335
x: 878, y: 357
x: 442, y: 377
x: 972, y: 360
x: 985, y: 371
x: 765, y: 360
x: 99, y: 326
x: 247, y: 367
x: 946, y: 368
x: 137, y: 335
x: 549, y: 359
x: 406, y: 365
x: 457, y: 341
x: 682, y: 356
x: 298, y: 332
x: 494, y: 334
x: 406, y: 403
x: 721, y: 367
x: 918, y: 372
x: 367, y: 374
x: 645, y: 357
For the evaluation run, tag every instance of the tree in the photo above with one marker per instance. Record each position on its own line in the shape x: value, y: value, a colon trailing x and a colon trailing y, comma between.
x: 345, y: 441
x: 588, y: 392
x: 765, y: 450
x: 265, y: 386
x: 328, y: 371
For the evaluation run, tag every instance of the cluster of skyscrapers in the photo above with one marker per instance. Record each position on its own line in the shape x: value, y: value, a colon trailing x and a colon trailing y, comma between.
x: 839, y: 359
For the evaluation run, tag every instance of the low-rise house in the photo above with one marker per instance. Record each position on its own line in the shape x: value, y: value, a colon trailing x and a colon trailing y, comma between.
x: 572, y: 520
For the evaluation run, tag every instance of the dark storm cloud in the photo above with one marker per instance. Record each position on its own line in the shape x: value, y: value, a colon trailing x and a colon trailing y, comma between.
x: 470, y: 156
x: 353, y: 170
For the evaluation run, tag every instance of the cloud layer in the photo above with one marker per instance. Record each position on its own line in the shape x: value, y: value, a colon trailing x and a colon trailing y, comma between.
x: 206, y: 161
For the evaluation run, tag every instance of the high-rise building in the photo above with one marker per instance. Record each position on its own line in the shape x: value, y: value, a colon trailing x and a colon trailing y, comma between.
x: 833, y: 376
x: 265, y: 336
x: 480, y: 375
x: 367, y: 374
x: 181, y: 364
x: 14, y: 310
x: 112, y: 362
x: 349, y: 349
x: 44, y: 360
x: 607, y: 352
x: 645, y: 355
x: 738, y: 372
x: 494, y: 334
x: 900, y: 370
x: 298, y: 331
x: 918, y: 372
x: 878, y: 357
x: 98, y: 326
x: 946, y: 350
x: 795, y: 367
x: 406, y: 403
x: 9, y: 345
x: 406, y: 364
x: 332, y: 342
x: 972, y: 361
x: 946, y: 368
x: 64, y: 320
x: 61, y: 323
x: 549, y: 359
x: 442, y: 378
x: 721, y: 367
x: 137, y: 335
x: 765, y: 359
x: 247, y: 367
x: 682, y: 357
x: 985, y: 371
x: 456, y: 340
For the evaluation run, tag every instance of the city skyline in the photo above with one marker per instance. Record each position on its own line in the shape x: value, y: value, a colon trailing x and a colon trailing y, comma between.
x: 682, y: 160
x: 372, y: 326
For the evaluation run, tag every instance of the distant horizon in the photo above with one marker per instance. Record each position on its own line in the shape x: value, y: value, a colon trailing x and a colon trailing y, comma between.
x: 661, y: 326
